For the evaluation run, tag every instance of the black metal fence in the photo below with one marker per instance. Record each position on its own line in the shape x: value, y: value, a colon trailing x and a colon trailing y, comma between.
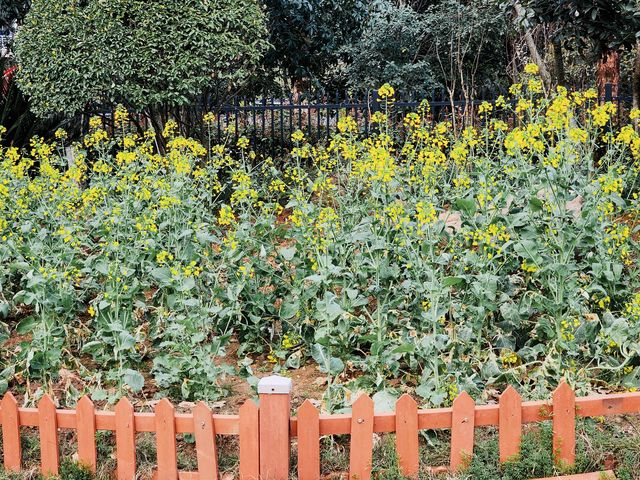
x: 273, y: 120
x: 269, y: 122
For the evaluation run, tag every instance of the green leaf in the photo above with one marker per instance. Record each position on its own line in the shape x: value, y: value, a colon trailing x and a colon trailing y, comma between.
x: 451, y: 281
x: 467, y: 205
x: 162, y: 275
x: 26, y: 325
x: 326, y: 363
x: 133, y: 379
x: 287, y: 253
x: 289, y: 308
x: 535, y: 204
x: 384, y: 401
x: 405, y: 348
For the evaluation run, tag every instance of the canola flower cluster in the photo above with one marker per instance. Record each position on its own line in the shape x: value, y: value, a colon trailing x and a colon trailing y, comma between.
x: 503, y: 252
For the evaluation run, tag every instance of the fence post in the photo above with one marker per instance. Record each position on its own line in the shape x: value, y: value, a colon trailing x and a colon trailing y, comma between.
x: 608, y: 92
x: 275, y: 409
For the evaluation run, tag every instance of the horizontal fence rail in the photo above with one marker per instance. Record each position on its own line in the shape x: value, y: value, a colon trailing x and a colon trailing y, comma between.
x: 267, y: 432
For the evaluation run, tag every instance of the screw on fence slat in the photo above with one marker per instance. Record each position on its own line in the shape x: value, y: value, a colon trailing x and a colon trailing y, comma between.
x: 125, y: 440
x: 206, y: 448
x: 275, y: 407
x: 48, y: 429
x: 249, y: 441
x: 86, y: 420
x: 166, y: 440
x: 462, y: 431
x: 564, y: 425
x: 361, y: 449
x: 510, y: 424
x: 407, y: 435
x: 11, y: 433
x: 308, y: 442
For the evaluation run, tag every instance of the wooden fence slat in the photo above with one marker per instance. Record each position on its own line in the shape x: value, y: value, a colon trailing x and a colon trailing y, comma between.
x: 48, y: 429
x: 249, y: 441
x: 11, y: 445
x: 86, y: 422
x: 361, y: 450
x: 275, y: 416
x: 308, y: 442
x: 166, y: 447
x: 206, y: 448
x: 125, y: 440
x: 510, y: 424
x: 462, y: 431
x: 407, y: 446
x: 564, y: 425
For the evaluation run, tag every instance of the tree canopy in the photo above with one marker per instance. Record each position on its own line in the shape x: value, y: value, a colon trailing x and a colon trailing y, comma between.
x: 13, y: 11
x: 141, y: 53
x: 601, y: 23
x: 308, y: 35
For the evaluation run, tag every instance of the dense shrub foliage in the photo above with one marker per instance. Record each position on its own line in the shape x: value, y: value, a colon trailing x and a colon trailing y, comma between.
x: 504, y: 253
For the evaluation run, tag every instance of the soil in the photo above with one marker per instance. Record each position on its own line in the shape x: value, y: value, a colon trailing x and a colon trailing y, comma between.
x: 308, y: 383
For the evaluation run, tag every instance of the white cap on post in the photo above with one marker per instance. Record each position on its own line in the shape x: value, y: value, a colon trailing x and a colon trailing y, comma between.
x: 275, y: 384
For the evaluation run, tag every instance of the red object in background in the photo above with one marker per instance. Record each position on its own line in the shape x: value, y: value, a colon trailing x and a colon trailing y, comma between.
x: 7, y: 76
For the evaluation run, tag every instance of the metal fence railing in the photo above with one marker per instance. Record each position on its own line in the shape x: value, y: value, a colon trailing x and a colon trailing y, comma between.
x: 274, y: 119
x: 269, y: 122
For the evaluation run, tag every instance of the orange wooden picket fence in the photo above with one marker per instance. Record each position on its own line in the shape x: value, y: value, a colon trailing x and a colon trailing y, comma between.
x: 266, y: 432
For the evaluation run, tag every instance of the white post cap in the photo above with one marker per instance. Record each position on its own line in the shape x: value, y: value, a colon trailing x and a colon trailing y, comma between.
x: 275, y: 384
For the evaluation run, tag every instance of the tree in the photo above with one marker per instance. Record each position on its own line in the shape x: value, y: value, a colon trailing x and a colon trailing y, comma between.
x: 464, y: 39
x: 308, y: 36
x: 12, y: 11
x: 145, y: 54
x: 607, y: 26
x: 391, y: 49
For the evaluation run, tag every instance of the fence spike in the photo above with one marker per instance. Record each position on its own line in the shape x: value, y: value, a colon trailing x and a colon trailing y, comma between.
x: 86, y: 421
x: 510, y: 424
x: 361, y: 450
x: 11, y: 433
x: 308, y: 442
x: 462, y: 431
x: 407, y: 446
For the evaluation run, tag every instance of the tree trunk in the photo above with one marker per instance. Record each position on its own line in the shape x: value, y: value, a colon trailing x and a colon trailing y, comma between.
x: 533, y: 50
x: 608, y: 71
x: 558, y: 61
x: 635, y: 82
